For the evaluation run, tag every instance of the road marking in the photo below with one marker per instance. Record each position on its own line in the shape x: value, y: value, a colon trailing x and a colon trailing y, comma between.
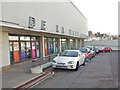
x: 35, y: 81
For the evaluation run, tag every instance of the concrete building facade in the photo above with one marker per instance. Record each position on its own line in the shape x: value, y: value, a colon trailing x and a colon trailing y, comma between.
x: 31, y: 30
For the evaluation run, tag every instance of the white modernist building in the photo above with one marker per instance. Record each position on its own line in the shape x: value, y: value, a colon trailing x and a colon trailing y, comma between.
x: 32, y: 30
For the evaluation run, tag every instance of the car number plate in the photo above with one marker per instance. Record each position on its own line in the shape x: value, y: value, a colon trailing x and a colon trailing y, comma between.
x: 60, y: 64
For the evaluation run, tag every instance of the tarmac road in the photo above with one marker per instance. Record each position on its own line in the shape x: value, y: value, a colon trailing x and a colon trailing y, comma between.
x: 100, y: 72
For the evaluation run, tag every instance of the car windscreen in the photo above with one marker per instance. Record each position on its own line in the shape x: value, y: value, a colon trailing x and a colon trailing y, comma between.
x: 69, y: 53
x: 83, y: 50
x: 90, y: 48
x: 103, y: 48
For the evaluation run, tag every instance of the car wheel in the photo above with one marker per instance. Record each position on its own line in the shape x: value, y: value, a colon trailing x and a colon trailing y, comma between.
x: 84, y: 62
x: 90, y: 58
x: 77, y: 66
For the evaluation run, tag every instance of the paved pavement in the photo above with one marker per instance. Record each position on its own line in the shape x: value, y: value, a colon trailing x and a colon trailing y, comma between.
x: 18, y: 74
x: 100, y: 72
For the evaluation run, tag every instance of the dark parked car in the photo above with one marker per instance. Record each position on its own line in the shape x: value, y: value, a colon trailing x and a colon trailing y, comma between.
x: 97, y: 50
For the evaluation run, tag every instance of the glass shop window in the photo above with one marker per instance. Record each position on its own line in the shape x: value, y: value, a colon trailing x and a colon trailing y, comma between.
x: 50, y: 39
x: 25, y: 38
x: 33, y: 38
x: 13, y: 37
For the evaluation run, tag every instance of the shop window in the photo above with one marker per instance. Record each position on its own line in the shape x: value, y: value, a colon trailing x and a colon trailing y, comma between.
x: 11, y: 52
x: 22, y: 48
x: 50, y: 39
x: 63, y: 45
x: 54, y: 39
x: 13, y: 38
x: 71, y: 44
x: 55, y: 47
x: 28, y: 50
x: 37, y: 50
x: 45, y: 39
x: 51, y: 46
x: 33, y: 38
x: 16, y: 51
x: 71, y: 40
x: 63, y: 39
x: 23, y: 51
x: 25, y: 38
x: 33, y: 50
x: 46, y: 48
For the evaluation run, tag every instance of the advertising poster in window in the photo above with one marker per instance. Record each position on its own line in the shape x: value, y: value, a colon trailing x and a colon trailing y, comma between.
x: 23, y: 51
x: 46, y: 48
x: 37, y: 49
x: 33, y: 50
x: 55, y: 47
x: 16, y: 52
x: 49, y: 47
x: 28, y: 50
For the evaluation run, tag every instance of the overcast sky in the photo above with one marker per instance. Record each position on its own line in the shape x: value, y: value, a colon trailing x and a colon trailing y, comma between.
x: 102, y: 15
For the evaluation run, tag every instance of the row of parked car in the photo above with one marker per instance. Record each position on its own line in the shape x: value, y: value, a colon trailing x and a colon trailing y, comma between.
x: 72, y: 59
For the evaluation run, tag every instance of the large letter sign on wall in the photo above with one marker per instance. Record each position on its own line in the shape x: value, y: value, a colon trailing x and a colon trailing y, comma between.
x: 62, y: 30
x: 57, y: 30
x: 43, y: 25
x: 31, y: 23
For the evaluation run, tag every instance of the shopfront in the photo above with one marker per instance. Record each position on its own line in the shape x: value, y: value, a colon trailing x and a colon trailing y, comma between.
x: 23, y: 48
x: 32, y: 34
x: 51, y: 45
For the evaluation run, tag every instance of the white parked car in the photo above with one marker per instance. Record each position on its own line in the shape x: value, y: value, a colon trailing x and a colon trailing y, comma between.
x: 69, y: 59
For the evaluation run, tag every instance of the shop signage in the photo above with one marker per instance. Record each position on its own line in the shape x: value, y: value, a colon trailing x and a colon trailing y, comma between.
x: 58, y: 30
x: 31, y: 23
x: 43, y: 25
x: 74, y: 33
x: 83, y: 36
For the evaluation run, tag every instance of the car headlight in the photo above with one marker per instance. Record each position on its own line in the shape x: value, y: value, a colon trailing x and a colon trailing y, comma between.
x: 70, y: 62
x: 53, y: 61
